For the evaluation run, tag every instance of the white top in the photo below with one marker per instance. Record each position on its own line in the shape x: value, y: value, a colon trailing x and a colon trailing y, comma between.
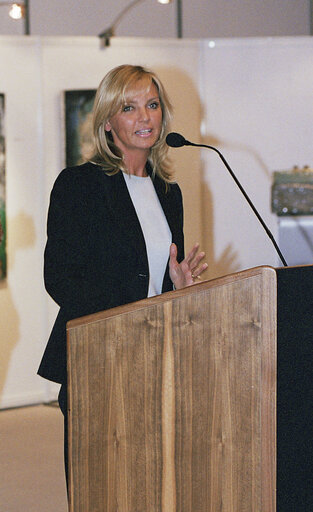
x: 156, y: 231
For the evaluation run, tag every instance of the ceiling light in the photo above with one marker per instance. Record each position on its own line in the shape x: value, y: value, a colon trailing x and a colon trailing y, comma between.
x: 19, y: 10
x: 16, y: 11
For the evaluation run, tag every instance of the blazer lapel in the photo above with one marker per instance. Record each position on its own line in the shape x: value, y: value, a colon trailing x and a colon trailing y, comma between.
x: 124, y: 213
x: 166, y: 200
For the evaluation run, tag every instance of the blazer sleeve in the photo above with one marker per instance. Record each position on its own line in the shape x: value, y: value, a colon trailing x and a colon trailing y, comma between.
x: 180, y: 218
x: 75, y: 285
x: 175, y: 216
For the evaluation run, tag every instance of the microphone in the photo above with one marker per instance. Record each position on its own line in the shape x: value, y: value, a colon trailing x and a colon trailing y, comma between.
x: 176, y: 140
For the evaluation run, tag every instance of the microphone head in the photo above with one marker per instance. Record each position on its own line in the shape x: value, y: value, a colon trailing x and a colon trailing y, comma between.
x: 175, y: 140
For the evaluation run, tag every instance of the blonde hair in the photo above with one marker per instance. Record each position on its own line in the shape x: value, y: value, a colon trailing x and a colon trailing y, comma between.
x: 110, y: 98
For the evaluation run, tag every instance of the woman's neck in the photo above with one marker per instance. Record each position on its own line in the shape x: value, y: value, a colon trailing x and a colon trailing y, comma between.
x: 136, y: 164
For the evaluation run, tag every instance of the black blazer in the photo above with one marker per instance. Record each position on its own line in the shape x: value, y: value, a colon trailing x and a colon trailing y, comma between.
x: 95, y: 257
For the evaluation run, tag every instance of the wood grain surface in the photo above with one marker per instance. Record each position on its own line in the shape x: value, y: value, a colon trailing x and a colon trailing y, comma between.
x: 172, y: 401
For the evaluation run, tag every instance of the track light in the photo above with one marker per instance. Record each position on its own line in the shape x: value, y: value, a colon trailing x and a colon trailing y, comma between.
x: 16, y: 11
x: 19, y: 10
x: 109, y: 32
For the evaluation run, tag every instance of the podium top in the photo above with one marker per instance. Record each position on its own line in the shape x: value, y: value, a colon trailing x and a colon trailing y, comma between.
x: 168, y: 296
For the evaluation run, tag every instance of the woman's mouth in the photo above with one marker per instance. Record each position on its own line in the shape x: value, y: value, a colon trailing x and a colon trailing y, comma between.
x: 144, y: 133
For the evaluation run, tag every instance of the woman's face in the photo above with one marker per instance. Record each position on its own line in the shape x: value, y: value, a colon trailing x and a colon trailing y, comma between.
x: 138, y: 125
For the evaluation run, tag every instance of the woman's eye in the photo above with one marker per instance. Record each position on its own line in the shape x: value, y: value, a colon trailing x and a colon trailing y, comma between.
x: 127, y: 108
x: 154, y: 105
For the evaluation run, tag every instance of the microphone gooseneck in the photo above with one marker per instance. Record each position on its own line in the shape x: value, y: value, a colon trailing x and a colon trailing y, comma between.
x: 176, y: 140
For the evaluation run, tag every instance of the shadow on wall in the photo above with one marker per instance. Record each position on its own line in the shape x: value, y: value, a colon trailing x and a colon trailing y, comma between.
x: 228, y: 262
x: 213, y: 140
x: 20, y: 235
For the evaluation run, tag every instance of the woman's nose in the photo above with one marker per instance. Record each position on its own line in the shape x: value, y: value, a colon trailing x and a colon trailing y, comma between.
x: 143, y: 114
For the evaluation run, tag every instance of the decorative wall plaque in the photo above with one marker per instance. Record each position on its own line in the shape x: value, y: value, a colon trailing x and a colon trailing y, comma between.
x: 292, y: 191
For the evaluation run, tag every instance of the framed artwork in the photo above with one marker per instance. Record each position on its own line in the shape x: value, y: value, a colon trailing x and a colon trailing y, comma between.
x: 78, y: 131
x: 3, y: 260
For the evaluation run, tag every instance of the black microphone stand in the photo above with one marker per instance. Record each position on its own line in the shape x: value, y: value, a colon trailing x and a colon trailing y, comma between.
x: 269, y: 234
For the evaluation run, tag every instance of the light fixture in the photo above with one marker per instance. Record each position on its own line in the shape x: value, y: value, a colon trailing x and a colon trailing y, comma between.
x: 16, y: 11
x: 19, y: 10
x: 109, y: 32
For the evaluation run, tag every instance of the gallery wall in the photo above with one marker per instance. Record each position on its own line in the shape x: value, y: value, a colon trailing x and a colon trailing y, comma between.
x: 22, y: 323
x: 250, y: 97
x: 258, y: 100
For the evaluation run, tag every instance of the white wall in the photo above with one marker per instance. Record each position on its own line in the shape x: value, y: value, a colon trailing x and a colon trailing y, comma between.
x: 258, y: 108
x: 22, y: 303
x: 252, y: 97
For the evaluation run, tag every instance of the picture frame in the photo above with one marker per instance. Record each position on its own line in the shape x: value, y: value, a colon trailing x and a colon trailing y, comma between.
x: 78, y: 106
x: 3, y: 258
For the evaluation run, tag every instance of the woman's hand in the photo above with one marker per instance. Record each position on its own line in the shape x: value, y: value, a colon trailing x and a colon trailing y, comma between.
x: 185, y: 273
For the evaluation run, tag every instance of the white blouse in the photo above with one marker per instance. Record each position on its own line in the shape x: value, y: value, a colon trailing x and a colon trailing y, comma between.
x: 156, y: 231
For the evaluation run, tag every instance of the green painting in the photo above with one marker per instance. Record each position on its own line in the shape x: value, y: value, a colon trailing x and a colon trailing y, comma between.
x: 78, y: 131
x: 3, y: 260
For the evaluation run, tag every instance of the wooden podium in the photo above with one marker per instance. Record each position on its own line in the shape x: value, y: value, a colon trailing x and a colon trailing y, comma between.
x: 172, y: 401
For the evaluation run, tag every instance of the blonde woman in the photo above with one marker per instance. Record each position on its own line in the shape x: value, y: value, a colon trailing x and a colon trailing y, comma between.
x: 115, y: 223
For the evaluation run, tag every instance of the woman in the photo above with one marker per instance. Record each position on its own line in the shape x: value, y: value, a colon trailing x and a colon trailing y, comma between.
x: 115, y: 223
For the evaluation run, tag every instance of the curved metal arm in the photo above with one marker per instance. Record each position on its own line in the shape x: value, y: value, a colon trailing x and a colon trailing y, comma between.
x: 110, y: 31
x: 123, y: 12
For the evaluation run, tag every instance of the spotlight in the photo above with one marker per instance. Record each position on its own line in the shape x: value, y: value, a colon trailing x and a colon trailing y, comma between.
x: 19, y: 10
x: 16, y: 11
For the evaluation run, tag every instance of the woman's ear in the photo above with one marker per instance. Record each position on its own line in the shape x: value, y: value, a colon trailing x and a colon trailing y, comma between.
x: 107, y: 126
